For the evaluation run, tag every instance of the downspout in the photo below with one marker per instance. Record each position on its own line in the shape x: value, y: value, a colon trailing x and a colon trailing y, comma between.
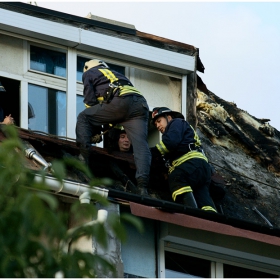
x: 65, y: 186
x: 31, y: 153
x: 70, y: 187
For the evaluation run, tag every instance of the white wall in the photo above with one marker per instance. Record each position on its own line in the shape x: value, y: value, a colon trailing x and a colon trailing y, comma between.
x: 11, y: 55
x: 159, y: 90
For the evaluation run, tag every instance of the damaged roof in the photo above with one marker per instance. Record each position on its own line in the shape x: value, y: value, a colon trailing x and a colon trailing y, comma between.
x: 242, y: 149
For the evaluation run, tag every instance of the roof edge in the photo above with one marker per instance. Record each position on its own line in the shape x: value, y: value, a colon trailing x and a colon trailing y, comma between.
x: 66, y: 16
x: 190, y: 221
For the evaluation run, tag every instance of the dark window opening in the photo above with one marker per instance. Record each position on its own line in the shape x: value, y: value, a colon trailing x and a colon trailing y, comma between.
x: 10, y: 99
x: 231, y: 271
x: 48, y: 61
x: 182, y: 266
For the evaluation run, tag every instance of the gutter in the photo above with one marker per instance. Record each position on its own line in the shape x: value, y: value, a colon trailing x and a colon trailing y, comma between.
x: 175, y: 208
x: 83, y: 191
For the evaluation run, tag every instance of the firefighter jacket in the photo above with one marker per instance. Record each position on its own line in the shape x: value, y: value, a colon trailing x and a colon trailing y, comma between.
x: 179, y: 143
x: 96, y: 82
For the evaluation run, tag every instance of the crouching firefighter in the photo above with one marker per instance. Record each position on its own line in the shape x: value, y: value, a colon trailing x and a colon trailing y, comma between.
x: 189, y: 174
x: 110, y: 98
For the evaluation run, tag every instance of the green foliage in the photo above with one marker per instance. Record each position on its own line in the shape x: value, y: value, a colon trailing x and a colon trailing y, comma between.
x: 34, y: 235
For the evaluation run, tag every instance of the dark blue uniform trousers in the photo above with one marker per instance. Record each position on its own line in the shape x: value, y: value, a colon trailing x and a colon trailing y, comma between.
x: 195, y: 173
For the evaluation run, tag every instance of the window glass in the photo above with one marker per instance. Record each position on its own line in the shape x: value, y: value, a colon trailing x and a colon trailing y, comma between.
x: 182, y: 266
x: 48, y: 108
x: 48, y: 61
x: 81, y: 62
x: 80, y: 104
x: 231, y: 271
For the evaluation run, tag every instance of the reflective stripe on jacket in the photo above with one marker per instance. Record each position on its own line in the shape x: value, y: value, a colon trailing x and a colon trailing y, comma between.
x: 96, y: 82
x: 176, y: 141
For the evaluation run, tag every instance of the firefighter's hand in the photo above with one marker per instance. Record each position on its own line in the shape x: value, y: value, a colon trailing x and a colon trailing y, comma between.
x: 96, y: 139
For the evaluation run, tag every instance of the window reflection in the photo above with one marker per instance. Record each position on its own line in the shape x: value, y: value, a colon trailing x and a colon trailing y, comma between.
x: 49, y: 107
x: 48, y: 61
x: 80, y: 105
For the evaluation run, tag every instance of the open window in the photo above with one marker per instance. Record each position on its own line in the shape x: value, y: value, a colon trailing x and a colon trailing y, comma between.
x: 10, y: 99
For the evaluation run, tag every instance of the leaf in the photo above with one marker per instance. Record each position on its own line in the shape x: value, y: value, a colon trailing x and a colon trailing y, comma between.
x: 52, y: 203
x: 59, y: 170
x: 136, y: 222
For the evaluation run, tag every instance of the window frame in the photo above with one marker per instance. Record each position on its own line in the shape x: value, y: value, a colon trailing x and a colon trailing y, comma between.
x: 47, y: 47
x: 218, y: 257
x: 65, y: 84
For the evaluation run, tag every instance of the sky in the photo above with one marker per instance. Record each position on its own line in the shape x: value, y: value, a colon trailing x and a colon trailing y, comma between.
x: 239, y: 43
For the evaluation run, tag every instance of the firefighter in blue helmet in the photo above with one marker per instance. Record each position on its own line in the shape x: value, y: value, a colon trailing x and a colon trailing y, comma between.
x: 189, y: 173
x: 111, y: 98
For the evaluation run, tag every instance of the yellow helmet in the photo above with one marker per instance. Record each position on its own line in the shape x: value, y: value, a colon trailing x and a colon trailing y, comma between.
x: 94, y: 62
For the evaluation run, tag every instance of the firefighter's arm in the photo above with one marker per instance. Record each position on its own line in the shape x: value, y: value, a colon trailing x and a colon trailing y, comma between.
x: 172, y: 137
x: 89, y: 90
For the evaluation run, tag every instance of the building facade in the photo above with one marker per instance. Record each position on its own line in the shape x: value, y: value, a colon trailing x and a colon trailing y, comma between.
x: 42, y: 54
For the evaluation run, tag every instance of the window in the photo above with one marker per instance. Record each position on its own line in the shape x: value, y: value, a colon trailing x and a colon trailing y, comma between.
x: 81, y: 62
x: 48, y: 61
x: 180, y: 265
x: 231, y: 271
x: 183, y: 266
x: 49, y: 110
x: 80, y: 106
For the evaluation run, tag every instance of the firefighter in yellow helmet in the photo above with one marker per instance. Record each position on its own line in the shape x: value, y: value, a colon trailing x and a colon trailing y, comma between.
x: 111, y: 98
x: 189, y: 173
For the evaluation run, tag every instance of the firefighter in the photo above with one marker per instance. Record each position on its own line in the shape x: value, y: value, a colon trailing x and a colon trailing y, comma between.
x: 110, y: 98
x: 189, y: 173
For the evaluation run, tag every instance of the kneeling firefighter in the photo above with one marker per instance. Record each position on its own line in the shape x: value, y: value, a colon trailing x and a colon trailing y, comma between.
x: 189, y: 173
x: 111, y: 98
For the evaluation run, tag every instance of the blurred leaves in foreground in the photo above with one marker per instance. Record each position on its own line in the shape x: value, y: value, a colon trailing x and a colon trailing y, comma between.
x: 34, y: 231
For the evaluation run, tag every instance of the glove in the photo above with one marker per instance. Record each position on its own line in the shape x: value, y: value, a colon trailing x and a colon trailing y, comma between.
x: 96, y: 139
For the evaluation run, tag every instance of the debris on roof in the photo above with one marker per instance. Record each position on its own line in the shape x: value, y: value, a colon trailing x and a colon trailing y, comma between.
x: 245, y: 151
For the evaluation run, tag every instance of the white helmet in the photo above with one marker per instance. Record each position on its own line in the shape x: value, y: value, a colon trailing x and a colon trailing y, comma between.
x: 94, y: 62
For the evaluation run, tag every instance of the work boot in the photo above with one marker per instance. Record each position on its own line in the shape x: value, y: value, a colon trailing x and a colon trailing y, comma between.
x: 142, y: 184
x: 189, y: 200
x: 84, y: 158
x: 84, y: 155
x: 131, y: 187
